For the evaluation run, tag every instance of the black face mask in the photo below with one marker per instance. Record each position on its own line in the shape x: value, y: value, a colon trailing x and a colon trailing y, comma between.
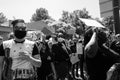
x: 20, y: 34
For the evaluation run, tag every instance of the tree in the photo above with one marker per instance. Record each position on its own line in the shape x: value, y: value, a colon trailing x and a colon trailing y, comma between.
x: 2, y: 18
x: 40, y: 14
x: 73, y: 18
x: 82, y: 13
x: 66, y: 17
x: 109, y: 23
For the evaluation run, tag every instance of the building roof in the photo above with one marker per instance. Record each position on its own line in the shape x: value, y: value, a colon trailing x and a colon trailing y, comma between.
x: 5, y: 29
x: 6, y: 24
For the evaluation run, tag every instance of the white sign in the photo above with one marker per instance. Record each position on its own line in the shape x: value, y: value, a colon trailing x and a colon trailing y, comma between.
x: 90, y: 22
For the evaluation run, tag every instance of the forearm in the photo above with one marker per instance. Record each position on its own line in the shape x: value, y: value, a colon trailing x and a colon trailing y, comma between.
x: 35, y: 62
x: 92, y: 45
x: 110, y: 52
x: 93, y: 39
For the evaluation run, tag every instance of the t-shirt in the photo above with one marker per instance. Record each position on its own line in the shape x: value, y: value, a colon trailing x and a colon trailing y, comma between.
x: 60, y: 54
x: 27, y: 46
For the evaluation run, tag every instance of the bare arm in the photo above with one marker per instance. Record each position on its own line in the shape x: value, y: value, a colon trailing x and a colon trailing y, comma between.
x: 35, y: 59
x: 92, y: 46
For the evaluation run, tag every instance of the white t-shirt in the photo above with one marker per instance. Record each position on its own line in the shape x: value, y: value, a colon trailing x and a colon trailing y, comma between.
x: 15, y: 49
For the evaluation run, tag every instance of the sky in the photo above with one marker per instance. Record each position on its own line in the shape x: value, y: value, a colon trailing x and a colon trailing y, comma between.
x: 24, y: 9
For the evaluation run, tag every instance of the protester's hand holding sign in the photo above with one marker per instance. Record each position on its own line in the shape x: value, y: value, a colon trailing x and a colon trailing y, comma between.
x: 95, y: 29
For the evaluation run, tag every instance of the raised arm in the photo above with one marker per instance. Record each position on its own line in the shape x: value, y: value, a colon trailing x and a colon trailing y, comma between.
x: 92, y: 46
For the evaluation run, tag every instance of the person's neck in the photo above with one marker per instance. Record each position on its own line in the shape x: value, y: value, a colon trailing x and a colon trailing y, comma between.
x: 19, y: 40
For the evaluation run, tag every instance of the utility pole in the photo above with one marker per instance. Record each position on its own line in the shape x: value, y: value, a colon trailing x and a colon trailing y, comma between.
x: 116, y: 16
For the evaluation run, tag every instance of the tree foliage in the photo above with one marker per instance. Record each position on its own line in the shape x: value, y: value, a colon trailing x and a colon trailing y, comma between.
x: 2, y: 18
x: 73, y: 18
x: 66, y: 17
x: 109, y: 22
x: 82, y: 13
x: 40, y: 14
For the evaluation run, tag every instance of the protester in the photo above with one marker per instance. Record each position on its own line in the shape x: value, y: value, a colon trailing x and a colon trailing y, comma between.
x: 49, y: 58
x: 61, y: 58
x: 45, y: 71
x: 98, y: 58
x: 21, y: 54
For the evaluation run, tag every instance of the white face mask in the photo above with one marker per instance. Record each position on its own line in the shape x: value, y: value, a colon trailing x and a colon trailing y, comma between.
x: 60, y: 39
x: 51, y: 40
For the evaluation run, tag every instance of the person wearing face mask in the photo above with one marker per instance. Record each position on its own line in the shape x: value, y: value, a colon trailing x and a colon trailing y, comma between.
x: 19, y: 56
x: 60, y: 58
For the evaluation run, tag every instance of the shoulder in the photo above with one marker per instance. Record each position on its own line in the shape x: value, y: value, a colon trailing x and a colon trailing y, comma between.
x: 29, y: 41
x: 7, y: 43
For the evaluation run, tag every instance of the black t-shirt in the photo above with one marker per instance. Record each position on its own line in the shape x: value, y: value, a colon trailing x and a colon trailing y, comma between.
x: 45, y: 52
x: 98, y: 66
x: 60, y: 54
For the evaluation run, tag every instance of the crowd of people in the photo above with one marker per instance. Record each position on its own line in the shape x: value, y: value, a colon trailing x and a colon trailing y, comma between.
x: 96, y: 56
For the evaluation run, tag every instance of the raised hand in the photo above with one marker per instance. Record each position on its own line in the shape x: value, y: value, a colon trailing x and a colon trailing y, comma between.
x: 95, y: 29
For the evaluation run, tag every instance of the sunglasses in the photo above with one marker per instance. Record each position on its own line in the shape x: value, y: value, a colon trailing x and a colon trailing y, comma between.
x: 22, y: 28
